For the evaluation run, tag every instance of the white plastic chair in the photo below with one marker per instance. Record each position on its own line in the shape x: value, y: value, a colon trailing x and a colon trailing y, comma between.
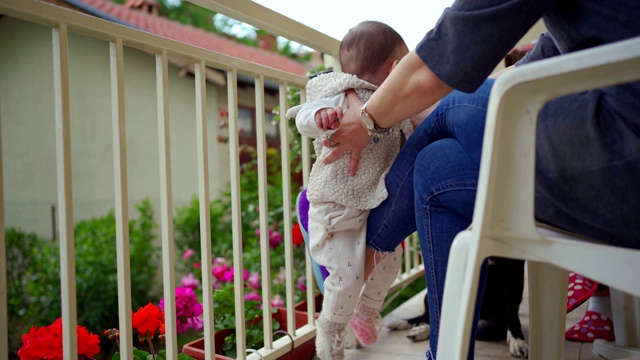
x: 503, y: 220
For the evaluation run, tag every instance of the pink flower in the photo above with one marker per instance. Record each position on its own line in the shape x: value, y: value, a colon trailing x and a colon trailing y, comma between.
x: 188, y: 254
x: 280, y: 278
x: 277, y: 301
x: 228, y: 275
x: 196, y: 265
x: 188, y: 309
x: 254, y: 280
x: 219, y: 271
x: 274, y: 238
x: 252, y: 296
x: 196, y: 323
x: 301, y: 283
x: 219, y: 261
x: 190, y: 281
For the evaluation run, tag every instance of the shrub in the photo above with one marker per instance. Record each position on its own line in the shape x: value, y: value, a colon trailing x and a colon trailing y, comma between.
x: 34, y: 273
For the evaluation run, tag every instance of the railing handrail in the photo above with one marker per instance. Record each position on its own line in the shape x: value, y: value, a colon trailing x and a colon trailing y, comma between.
x: 266, y: 19
x: 52, y: 15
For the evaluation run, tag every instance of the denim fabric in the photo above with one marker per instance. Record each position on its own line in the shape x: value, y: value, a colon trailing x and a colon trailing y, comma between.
x: 588, y: 164
x: 442, y: 159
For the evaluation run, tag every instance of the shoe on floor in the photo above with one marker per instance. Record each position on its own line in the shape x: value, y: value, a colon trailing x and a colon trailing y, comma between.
x: 579, y: 290
x: 592, y: 326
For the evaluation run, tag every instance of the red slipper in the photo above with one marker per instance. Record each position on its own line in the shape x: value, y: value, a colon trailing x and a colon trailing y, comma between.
x: 580, y: 290
x: 592, y: 326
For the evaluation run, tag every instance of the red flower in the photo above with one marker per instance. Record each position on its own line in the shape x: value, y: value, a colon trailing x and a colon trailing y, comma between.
x: 297, y: 235
x: 46, y: 343
x: 147, y: 320
x: 88, y: 343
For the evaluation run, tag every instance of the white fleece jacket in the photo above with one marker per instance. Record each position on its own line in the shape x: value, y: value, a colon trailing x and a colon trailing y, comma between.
x: 331, y: 182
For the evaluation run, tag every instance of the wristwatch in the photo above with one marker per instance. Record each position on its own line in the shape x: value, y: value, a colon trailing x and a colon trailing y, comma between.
x: 369, y: 123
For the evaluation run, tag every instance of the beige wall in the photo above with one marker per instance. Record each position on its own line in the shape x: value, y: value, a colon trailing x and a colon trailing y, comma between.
x: 28, y: 124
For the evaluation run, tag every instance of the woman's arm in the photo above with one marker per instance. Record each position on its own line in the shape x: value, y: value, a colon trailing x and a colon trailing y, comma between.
x: 411, y: 84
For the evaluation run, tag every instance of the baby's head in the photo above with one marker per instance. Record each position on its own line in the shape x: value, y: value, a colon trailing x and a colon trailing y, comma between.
x: 370, y: 49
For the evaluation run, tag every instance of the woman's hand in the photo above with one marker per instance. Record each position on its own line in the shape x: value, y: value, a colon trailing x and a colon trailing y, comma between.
x: 351, y: 137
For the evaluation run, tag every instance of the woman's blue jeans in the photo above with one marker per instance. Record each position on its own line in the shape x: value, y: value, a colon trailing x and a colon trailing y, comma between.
x: 438, y: 197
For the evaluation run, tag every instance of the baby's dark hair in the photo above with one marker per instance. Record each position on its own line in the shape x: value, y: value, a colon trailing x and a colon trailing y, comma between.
x: 366, y: 47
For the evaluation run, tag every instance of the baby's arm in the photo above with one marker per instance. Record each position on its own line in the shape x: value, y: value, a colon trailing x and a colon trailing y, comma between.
x: 317, y: 117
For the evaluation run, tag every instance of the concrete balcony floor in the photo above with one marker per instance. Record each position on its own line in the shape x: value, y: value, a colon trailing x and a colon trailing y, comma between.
x: 393, y: 345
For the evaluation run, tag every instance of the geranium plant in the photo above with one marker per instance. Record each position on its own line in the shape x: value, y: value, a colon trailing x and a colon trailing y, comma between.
x: 148, y: 322
x: 46, y: 343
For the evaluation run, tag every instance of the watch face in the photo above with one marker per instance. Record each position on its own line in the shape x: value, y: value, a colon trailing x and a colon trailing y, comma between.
x: 366, y: 120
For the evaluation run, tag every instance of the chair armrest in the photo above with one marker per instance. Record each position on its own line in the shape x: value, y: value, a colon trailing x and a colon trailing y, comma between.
x: 507, y: 175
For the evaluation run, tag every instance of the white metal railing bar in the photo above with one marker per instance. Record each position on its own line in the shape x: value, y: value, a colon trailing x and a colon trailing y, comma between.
x: 4, y: 320
x: 65, y: 193
x: 286, y: 206
x: 266, y: 19
x: 121, y: 196
x: 234, y: 162
x: 263, y: 203
x: 205, y: 218
x: 166, y: 203
x: 304, y: 145
x: 306, y: 171
x: 51, y: 15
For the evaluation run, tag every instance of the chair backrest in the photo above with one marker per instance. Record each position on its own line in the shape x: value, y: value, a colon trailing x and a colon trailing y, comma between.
x: 503, y: 219
x: 510, y: 144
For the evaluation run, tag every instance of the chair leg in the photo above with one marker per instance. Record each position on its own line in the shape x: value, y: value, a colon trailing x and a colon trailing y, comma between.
x: 612, y: 351
x: 460, y: 289
x: 547, y: 312
x: 625, y: 311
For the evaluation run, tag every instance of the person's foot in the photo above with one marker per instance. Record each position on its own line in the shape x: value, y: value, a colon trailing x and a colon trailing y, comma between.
x: 330, y: 339
x: 366, y: 324
x: 592, y: 326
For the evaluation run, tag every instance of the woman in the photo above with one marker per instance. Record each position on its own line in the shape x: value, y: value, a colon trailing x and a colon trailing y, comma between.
x: 588, y: 144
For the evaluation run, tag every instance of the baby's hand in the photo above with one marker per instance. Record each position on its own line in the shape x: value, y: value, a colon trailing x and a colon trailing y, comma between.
x: 328, y: 118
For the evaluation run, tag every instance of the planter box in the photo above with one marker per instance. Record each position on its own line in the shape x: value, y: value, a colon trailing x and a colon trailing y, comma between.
x: 302, y: 305
x: 306, y: 351
x: 195, y: 349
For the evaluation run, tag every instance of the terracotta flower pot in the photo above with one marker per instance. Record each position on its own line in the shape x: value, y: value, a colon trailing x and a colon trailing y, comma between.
x: 302, y: 305
x: 306, y: 351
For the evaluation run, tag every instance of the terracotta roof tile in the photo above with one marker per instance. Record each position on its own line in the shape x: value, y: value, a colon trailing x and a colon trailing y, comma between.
x: 198, y: 37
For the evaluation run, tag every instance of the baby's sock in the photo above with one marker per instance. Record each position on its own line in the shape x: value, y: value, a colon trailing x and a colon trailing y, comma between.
x: 330, y: 339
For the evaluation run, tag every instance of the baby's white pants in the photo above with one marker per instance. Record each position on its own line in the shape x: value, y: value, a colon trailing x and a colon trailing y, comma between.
x: 337, y: 237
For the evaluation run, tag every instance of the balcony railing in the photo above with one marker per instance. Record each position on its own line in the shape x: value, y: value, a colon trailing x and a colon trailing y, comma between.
x: 64, y: 22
